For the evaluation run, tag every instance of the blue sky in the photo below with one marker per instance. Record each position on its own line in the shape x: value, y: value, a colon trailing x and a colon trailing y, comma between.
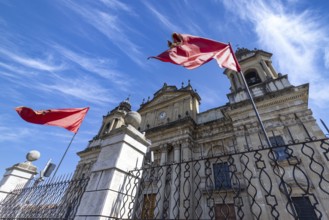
x: 67, y: 54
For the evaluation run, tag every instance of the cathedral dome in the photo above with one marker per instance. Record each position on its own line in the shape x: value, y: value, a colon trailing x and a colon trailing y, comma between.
x: 133, y: 118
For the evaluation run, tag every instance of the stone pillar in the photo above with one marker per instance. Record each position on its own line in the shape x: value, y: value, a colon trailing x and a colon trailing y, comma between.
x: 175, y: 182
x: 122, y: 151
x: 19, y: 175
x: 158, y: 213
x: 186, y: 190
x: 267, y: 70
x: 239, y: 82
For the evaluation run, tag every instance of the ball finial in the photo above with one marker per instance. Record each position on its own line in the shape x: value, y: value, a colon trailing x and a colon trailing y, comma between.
x: 133, y: 118
x: 33, y: 155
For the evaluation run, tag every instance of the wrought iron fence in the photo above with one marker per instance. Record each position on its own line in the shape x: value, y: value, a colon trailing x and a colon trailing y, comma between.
x: 54, y: 199
x: 285, y: 181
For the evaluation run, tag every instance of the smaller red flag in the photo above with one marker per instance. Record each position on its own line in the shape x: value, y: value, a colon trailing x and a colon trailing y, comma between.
x: 69, y: 118
x: 192, y: 51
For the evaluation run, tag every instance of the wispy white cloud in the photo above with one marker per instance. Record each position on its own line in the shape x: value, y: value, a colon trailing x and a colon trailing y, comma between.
x: 16, y: 71
x: 16, y: 94
x: 319, y: 95
x: 19, y: 135
x: 326, y: 57
x: 99, y: 66
x: 18, y: 139
x: 296, y: 40
x: 162, y: 18
x: 44, y: 64
x: 80, y: 88
x: 194, y: 28
x: 112, y: 27
x: 182, y: 24
x: 117, y: 5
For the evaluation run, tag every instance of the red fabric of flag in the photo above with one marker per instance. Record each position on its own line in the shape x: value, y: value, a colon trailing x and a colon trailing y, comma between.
x: 70, y: 118
x: 191, y: 52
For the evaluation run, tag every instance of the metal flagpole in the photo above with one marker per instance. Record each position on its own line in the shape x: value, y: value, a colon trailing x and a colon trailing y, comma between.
x: 325, y: 126
x: 250, y: 97
x: 64, y: 155
x: 264, y: 131
x: 255, y: 109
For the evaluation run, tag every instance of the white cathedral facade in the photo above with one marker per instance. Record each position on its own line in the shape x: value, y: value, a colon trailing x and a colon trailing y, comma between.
x: 216, y: 164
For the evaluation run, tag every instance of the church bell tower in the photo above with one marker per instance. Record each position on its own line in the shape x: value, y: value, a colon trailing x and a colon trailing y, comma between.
x: 256, y: 66
x: 261, y: 77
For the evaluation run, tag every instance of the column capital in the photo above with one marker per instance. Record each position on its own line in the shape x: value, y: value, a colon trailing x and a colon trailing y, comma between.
x: 185, y: 141
x: 177, y: 145
x: 164, y: 148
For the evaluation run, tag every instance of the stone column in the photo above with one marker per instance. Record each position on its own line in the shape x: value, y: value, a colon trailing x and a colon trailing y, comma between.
x: 19, y: 175
x: 106, y: 195
x: 186, y: 190
x: 158, y: 212
x: 266, y: 69
x: 175, y: 182
x: 239, y: 82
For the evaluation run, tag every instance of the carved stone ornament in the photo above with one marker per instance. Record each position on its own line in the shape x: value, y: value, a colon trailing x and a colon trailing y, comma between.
x: 133, y: 118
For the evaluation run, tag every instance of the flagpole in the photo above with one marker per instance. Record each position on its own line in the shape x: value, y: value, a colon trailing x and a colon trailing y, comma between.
x: 250, y: 96
x: 325, y: 126
x: 255, y: 109
x: 64, y: 155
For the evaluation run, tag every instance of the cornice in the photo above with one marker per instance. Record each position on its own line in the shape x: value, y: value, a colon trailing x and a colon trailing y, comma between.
x: 183, y: 122
x: 173, y: 142
x: 89, y: 150
x: 272, y: 99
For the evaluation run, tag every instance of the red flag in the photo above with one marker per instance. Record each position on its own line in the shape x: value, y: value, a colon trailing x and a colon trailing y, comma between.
x: 69, y: 118
x: 191, y: 52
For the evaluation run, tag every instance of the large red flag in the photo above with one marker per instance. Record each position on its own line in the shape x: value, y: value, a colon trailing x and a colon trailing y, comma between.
x: 69, y: 118
x: 191, y: 52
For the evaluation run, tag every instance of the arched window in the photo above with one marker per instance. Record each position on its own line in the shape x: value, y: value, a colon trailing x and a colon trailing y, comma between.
x: 252, y: 78
x: 107, y: 128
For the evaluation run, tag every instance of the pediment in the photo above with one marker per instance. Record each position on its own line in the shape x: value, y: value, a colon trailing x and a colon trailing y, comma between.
x: 168, y: 95
x: 163, y: 98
